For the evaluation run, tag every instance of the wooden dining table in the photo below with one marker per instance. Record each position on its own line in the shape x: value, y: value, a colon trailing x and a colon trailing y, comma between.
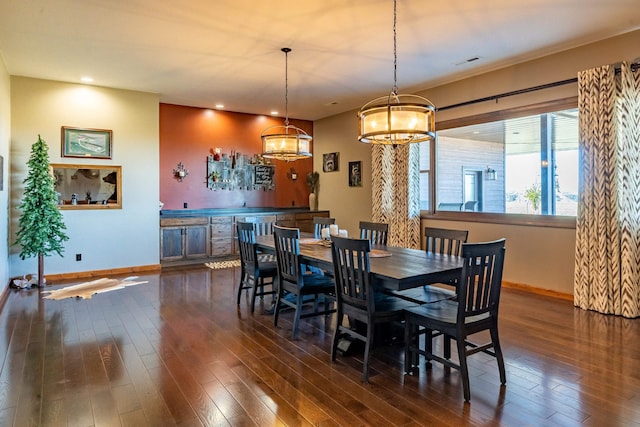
x: 392, y: 268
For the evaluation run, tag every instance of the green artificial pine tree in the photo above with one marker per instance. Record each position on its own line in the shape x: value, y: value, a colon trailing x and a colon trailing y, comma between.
x: 41, y: 229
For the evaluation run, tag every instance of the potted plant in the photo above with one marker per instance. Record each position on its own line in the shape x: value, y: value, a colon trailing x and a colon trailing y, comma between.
x: 313, y: 181
x: 534, y: 194
x: 41, y: 229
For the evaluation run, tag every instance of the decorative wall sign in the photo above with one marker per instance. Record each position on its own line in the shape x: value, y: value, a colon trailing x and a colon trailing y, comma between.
x: 355, y: 174
x: 263, y: 175
x: 330, y: 162
x: 236, y: 172
x: 94, y: 143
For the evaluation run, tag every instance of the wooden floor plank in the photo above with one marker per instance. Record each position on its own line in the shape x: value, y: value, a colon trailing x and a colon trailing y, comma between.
x: 178, y: 351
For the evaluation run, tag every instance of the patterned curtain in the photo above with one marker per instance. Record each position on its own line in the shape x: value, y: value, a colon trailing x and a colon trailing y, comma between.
x: 607, y: 273
x: 396, y: 192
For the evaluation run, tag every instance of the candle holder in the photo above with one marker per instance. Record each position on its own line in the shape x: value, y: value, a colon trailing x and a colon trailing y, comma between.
x: 180, y: 172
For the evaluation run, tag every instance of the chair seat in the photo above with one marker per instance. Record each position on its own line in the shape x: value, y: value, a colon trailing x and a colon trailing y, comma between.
x: 426, y: 294
x: 268, y: 269
x: 445, y: 312
x: 317, y: 281
x: 267, y: 258
x: 389, y: 304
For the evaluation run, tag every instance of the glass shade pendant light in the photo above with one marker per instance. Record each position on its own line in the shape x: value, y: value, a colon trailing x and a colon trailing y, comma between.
x: 286, y: 142
x: 397, y: 119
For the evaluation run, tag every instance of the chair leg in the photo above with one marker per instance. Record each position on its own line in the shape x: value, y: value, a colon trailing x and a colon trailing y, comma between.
x: 254, y: 292
x: 447, y: 346
x: 336, y: 336
x: 464, y: 370
x: 296, y: 319
x: 498, y: 350
x: 240, y: 287
x: 367, y: 352
x: 416, y: 342
x: 428, y: 346
x: 408, y: 342
x: 276, y: 309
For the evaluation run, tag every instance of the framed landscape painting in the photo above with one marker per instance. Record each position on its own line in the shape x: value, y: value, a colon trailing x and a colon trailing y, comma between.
x: 94, y: 143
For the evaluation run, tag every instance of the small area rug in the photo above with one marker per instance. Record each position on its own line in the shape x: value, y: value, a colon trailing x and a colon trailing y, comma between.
x: 88, y: 289
x: 217, y: 265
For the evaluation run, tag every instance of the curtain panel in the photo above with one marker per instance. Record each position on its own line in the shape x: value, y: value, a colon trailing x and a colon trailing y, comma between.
x: 607, y: 261
x: 395, y: 173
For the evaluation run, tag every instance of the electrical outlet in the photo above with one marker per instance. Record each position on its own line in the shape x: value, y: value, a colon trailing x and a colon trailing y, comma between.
x: 78, y: 257
x: 186, y: 205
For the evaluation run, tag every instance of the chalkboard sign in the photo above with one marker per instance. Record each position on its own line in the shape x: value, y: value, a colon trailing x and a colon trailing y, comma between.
x: 263, y: 175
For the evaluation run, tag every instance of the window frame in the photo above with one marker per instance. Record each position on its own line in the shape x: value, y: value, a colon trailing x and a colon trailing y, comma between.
x: 555, y: 221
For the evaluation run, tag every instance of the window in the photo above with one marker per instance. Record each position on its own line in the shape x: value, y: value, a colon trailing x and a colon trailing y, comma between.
x: 425, y: 173
x: 520, y: 165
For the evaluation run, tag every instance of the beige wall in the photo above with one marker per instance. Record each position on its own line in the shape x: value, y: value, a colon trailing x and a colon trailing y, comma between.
x: 536, y: 256
x: 348, y: 205
x: 107, y: 239
x: 5, y: 132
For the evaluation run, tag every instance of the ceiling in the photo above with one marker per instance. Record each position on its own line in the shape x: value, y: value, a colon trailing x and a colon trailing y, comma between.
x: 203, y: 52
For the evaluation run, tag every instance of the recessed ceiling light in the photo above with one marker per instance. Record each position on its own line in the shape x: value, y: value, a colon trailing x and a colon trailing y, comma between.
x: 219, y: 106
x: 274, y: 113
x: 86, y: 79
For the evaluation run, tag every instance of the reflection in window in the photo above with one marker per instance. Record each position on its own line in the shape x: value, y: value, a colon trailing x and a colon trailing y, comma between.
x: 527, y: 165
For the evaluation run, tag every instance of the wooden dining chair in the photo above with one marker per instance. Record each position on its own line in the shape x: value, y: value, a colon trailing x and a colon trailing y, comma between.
x: 292, y: 279
x: 476, y: 310
x: 320, y: 223
x: 255, y: 274
x: 357, y: 299
x: 438, y: 241
x: 263, y: 226
x: 375, y: 232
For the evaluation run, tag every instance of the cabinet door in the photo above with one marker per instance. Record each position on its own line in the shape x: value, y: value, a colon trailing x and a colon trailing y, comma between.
x: 171, y: 243
x: 196, y: 243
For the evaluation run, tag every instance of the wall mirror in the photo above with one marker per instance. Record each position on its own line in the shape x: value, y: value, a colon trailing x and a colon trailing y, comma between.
x: 88, y: 186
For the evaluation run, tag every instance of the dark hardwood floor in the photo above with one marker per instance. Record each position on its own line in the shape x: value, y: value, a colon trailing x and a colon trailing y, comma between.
x: 178, y: 351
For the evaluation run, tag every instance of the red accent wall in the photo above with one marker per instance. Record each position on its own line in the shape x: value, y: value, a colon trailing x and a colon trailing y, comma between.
x: 190, y: 134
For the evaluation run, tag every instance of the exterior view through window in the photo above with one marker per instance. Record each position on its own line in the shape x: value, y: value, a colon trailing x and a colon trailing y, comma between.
x: 526, y: 165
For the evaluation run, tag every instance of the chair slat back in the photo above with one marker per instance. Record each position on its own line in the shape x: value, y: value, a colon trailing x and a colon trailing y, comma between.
x: 246, y: 244
x: 262, y: 226
x: 319, y: 223
x: 352, y: 272
x: 287, y: 243
x: 375, y: 232
x: 445, y: 241
x: 481, y: 278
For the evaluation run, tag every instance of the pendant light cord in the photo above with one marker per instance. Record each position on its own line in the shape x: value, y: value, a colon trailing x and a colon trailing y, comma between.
x: 286, y: 51
x: 395, y: 53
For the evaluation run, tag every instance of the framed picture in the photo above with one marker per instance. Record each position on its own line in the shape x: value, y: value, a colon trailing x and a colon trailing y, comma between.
x: 355, y: 174
x: 330, y: 162
x: 94, y: 143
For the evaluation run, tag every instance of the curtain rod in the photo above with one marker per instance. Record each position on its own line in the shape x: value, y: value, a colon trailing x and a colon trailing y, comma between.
x: 634, y: 67
x: 506, y: 94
